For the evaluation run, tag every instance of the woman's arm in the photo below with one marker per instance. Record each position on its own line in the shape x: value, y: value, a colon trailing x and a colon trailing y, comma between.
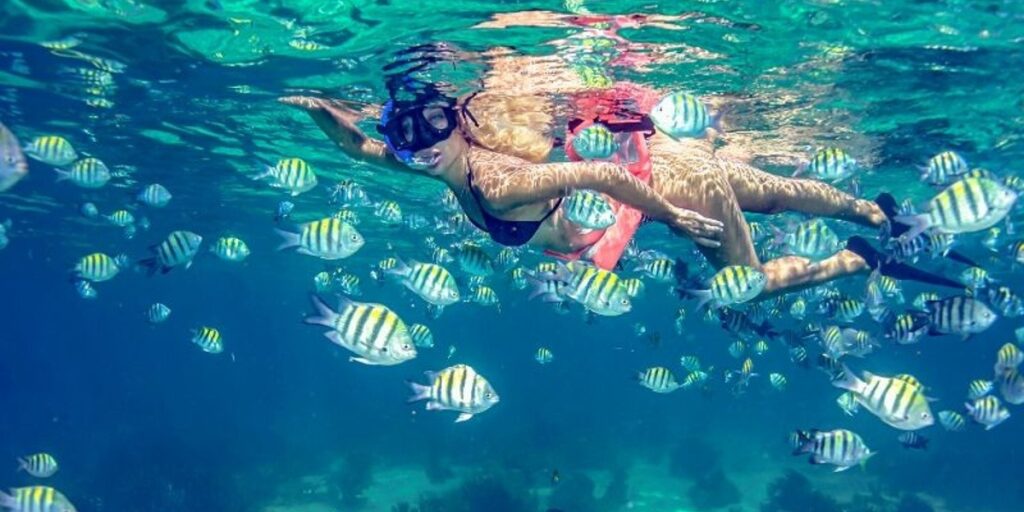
x: 531, y: 183
x: 339, y: 123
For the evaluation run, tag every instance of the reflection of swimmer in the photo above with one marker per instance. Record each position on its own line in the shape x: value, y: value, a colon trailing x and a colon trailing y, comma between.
x: 489, y: 150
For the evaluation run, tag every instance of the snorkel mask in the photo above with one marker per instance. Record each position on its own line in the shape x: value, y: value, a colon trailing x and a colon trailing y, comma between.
x: 411, y: 126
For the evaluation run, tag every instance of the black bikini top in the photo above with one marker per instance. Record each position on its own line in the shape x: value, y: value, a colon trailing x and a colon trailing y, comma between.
x: 511, y: 233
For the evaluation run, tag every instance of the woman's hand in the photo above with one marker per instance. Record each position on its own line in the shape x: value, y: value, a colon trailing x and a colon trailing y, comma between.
x: 702, y: 230
x: 338, y: 110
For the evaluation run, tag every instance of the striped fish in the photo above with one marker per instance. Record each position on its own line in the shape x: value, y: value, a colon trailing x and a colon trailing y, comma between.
x: 1014, y: 182
x: 734, y: 284
x: 798, y: 309
x: 371, y: 331
x: 51, y: 150
x: 798, y: 355
x: 968, y: 205
x: 658, y: 379
x: 778, y: 381
x: 844, y: 309
x: 473, y: 260
x: 86, y: 290
x: 813, y: 239
x: 737, y: 349
x: 1006, y: 301
x: 841, y: 447
x: 1011, y: 386
x: 177, y: 250
x: 12, y: 160
x: 681, y: 115
x: 978, y: 388
x: 291, y: 174
x: 328, y: 239
x: 421, y: 336
x: 898, y: 402
x: 39, y: 465
x: 518, y: 278
x: 441, y: 256
x: 485, y: 296
x: 155, y: 195
x: 599, y: 291
x: 432, y: 283
x: 944, y: 168
x: 544, y: 355
x: 98, y: 267
x: 389, y: 213
x: 959, y: 315
x: 913, y: 440
x: 208, y: 339
x: 660, y: 269
x: 952, y: 421
x: 923, y: 298
x: 456, y: 388
x: 158, y: 313
x: 761, y: 347
x: 848, y: 403
x: 506, y: 258
x: 1009, y: 357
x: 690, y: 363
x: 696, y: 378
x: 37, y: 498
x: 348, y: 283
x: 634, y: 287
x: 121, y: 218
x: 229, y: 248
x: 588, y: 209
x: 987, y: 411
x: 975, y: 278
x: 86, y: 173
x: 832, y: 165
x: 306, y: 45
x: 595, y: 142
x: 1017, y: 251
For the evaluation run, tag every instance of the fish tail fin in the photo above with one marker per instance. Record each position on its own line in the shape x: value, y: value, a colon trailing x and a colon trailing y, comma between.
x: 703, y: 297
x: 327, y: 316
x: 800, y: 170
x: 847, y: 380
x: 419, y: 392
x: 401, y: 269
x: 804, y: 441
x: 22, y: 465
x: 63, y: 175
x: 8, y: 501
x: 291, y: 239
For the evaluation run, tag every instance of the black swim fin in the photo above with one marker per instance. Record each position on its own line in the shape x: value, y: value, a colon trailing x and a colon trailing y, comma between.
x: 889, y: 207
x: 877, y: 260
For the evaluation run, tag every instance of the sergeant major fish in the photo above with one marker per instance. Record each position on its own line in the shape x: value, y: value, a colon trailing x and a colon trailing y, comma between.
x: 456, y: 388
x: 898, y: 402
x: 177, y: 250
x: 12, y: 160
x: 329, y: 239
x: 374, y: 333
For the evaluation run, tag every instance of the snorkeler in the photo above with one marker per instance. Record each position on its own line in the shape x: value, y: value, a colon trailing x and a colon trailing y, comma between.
x: 516, y: 200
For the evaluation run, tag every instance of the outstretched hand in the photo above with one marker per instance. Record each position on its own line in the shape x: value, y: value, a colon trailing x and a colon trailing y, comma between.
x: 337, y: 109
x: 702, y: 230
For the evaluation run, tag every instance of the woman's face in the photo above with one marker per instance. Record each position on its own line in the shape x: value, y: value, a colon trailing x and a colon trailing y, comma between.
x: 440, y: 156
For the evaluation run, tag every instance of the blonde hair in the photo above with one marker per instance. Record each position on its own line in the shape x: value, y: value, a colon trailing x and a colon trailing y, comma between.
x: 511, y: 125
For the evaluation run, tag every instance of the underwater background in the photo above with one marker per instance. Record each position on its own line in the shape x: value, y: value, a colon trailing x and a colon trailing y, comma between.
x: 143, y: 420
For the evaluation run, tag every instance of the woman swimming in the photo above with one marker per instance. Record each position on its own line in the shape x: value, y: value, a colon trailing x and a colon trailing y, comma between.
x: 491, y: 156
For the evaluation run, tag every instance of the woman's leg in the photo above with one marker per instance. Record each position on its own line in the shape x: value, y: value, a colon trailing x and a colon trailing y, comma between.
x: 706, y: 190
x: 762, y: 192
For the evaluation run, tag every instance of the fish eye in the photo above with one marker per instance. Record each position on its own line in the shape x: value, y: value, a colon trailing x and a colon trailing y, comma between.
x: 355, y: 238
x: 488, y: 395
x: 407, y: 347
x: 625, y: 302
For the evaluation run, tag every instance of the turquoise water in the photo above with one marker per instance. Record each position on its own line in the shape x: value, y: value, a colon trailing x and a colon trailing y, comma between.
x: 184, y: 94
